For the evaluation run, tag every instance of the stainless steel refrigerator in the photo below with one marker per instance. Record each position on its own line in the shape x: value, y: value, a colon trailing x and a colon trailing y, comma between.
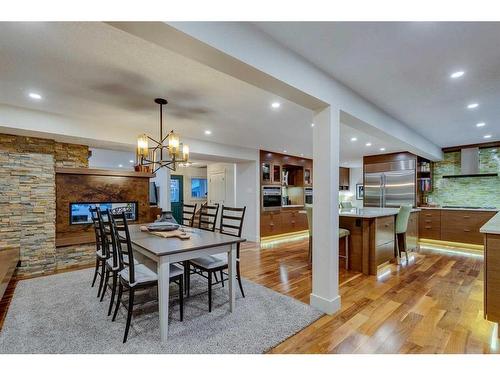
x: 389, y: 184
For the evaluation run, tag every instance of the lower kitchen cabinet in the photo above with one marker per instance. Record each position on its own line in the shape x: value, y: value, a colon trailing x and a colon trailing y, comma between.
x: 282, y: 221
x: 412, y: 232
x: 453, y: 225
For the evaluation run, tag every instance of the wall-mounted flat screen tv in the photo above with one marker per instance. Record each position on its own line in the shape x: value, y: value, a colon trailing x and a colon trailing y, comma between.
x: 80, y: 212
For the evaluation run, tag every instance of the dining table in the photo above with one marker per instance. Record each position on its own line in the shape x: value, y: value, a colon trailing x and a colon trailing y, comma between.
x: 164, y: 251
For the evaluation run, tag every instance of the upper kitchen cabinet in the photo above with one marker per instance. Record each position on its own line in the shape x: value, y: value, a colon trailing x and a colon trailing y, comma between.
x: 343, y: 178
x: 265, y: 172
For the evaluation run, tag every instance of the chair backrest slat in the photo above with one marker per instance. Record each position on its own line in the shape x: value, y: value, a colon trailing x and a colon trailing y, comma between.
x: 208, y: 217
x: 103, y: 234
x: 188, y: 214
x: 122, y: 237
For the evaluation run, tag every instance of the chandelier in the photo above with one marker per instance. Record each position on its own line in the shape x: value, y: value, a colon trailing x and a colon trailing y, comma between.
x: 166, y: 152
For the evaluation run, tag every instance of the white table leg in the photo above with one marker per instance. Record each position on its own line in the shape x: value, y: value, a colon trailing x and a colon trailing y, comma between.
x: 232, y: 275
x: 163, y: 295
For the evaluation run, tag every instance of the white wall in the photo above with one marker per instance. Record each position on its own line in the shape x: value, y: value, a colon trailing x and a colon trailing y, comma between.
x: 248, y: 194
x: 111, y: 159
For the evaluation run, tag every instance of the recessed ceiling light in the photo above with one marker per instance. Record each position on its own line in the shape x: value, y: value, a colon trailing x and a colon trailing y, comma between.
x: 120, y: 165
x: 354, y: 139
x: 487, y: 136
x: 34, y: 95
x: 276, y: 105
x: 312, y: 125
x: 382, y: 148
x: 284, y: 151
x: 301, y: 154
x: 368, y: 144
x: 458, y: 74
x: 130, y: 161
x: 472, y: 105
x: 480, y: 124
x: 208, y: 132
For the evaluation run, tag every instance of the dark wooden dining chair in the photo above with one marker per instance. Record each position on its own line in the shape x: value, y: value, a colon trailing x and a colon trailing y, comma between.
x: 208, y: 217
x: 102, y: 248
x: 135, y: 276
x: 208, y: 266
x: 188, y: 214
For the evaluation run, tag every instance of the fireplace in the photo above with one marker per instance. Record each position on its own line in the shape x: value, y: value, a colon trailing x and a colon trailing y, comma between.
x: 80, y: 211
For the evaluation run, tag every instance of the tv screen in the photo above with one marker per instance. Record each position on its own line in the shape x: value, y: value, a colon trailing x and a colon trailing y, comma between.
x: 153, y: 194
x: 80, y: 212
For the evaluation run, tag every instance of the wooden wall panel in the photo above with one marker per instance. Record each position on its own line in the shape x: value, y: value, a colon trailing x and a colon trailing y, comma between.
x: 71, y: 188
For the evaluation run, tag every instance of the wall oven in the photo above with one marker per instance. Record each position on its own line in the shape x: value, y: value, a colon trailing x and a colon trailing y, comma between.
x: 308, y: 195
x: 271, y: 197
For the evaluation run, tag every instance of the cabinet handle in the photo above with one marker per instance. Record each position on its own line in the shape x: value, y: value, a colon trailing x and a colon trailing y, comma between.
x: 428, y: 227
x: 466, y: 230
x: 271, y: 224
x: 428, y: 221
x: 466, y: 217
x: 428, y: 214
x: 293, y: 221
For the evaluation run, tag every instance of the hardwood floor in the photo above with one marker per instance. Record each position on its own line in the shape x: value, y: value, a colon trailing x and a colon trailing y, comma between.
x: 432, y: 305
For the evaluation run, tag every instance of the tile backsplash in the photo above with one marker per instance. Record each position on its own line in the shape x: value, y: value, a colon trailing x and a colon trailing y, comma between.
x: 466, y: 191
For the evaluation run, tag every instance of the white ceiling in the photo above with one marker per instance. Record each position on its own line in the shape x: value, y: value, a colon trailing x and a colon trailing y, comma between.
x: 404, y: 68
x: 352, y: 152
x: 98, y: 74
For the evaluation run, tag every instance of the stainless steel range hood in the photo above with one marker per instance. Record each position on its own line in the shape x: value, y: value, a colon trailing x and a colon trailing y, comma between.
x: 469, y: 164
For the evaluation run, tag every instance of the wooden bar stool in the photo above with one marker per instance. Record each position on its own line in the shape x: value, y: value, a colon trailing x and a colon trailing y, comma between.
x: 342, y: 233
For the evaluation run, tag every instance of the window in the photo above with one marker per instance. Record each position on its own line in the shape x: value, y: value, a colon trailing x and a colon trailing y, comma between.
x: 198, y: 188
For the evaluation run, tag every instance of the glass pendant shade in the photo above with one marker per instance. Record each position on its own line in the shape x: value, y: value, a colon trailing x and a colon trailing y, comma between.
x: 142, y: 145
x: 185, y: 153
x: 173, y: 144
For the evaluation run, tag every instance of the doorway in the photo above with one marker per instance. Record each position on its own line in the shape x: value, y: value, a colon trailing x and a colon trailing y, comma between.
x: 177, y: 196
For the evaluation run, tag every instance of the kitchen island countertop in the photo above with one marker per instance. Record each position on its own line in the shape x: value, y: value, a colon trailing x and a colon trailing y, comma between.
x: 370, y: 212
x: 492, y: 226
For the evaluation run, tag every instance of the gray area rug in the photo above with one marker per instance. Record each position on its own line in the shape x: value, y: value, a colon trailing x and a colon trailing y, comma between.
x: 61, y: 314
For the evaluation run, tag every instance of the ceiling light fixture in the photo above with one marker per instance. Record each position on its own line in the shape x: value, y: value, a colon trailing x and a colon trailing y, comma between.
x: 487, y: 136
x: 458, y: 74
x: 130, y: 161
x: 480, y: 124
x: 34, y: 95
x: 382, y: 148
x: 368, y: 144
x: 354, y: 139
x: 168, y: 151
x: 276, y: 105
x: 208, y: 132
x: 284, y: 151
x: 312, y: 125
x: 120, y: 165
x: 472, y: 105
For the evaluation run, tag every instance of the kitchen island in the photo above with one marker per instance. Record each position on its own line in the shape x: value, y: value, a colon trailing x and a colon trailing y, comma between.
x: 372, y: 242
x: 491, y: 232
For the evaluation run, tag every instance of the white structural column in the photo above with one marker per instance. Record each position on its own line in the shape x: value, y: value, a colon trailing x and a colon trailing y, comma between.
x: 325, y: 275
x: 162, y: 180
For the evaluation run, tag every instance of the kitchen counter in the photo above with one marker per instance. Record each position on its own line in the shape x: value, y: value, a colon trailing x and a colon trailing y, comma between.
x: 370, y: 212
x: 460, y: 209
x: 492, y: 226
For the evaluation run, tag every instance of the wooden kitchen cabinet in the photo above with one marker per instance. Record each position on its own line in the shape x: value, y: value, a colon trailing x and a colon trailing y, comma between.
x: 430, y: 224
x: 344, y: 178
x: 463, y: 226
x: 412, y: 231
x: 270, y: 223
x: 453, y: 225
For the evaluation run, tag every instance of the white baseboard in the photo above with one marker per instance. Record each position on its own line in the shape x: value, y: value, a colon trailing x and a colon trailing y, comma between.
x: 328, y: 306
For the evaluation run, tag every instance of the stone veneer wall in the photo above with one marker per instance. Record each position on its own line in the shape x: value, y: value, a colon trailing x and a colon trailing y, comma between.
x: 467, y: 191
x: 27, y: 201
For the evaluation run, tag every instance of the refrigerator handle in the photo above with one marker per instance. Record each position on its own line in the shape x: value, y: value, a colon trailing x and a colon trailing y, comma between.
x: 381, y: 200
x: 383, y: 190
